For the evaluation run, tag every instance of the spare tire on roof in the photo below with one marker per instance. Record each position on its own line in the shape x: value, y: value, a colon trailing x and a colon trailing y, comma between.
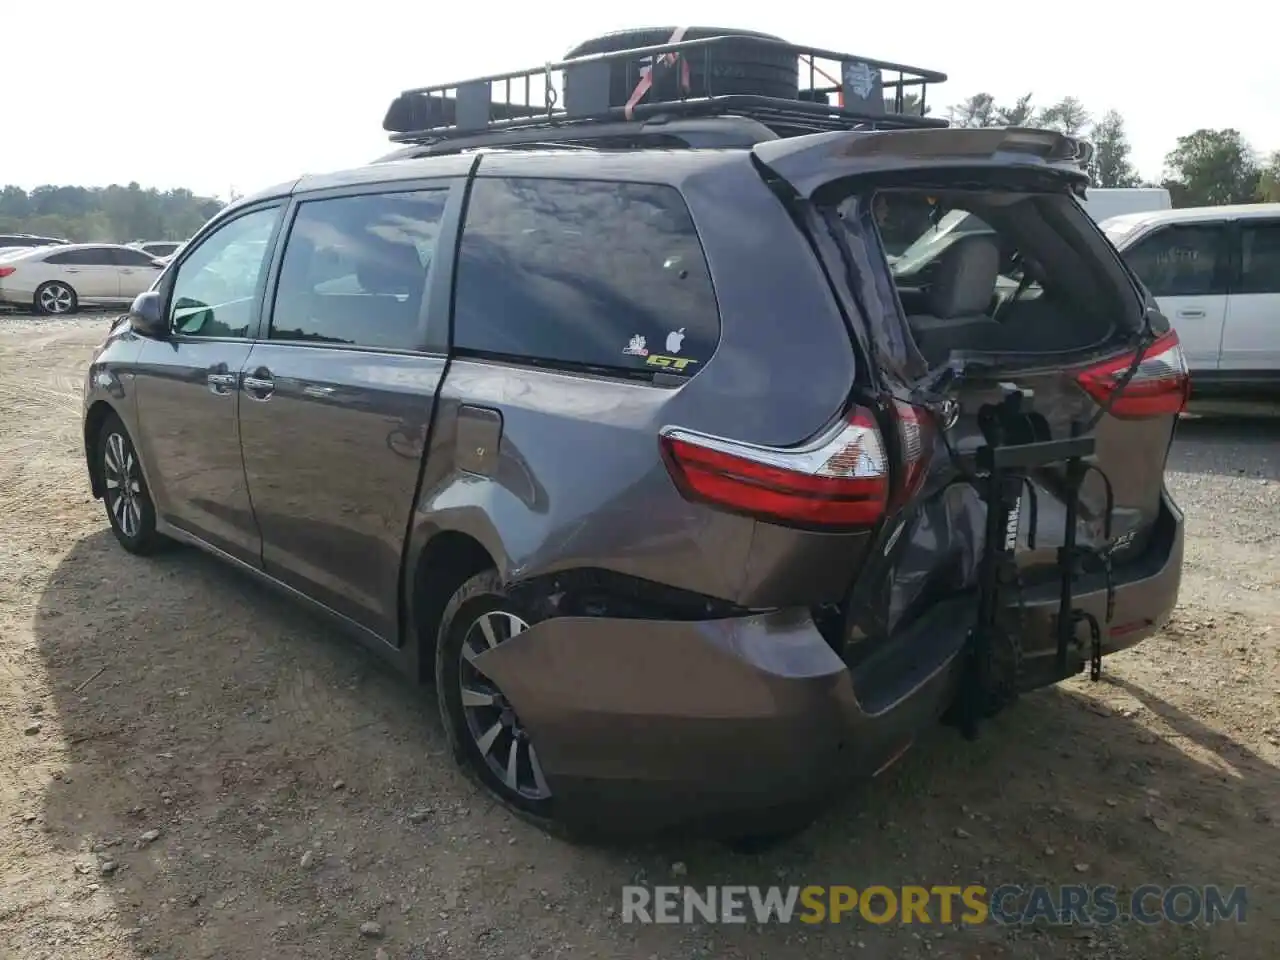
x: 727, y: 68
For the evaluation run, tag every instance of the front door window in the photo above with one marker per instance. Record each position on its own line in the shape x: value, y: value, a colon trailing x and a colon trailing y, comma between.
x: 217, y: 286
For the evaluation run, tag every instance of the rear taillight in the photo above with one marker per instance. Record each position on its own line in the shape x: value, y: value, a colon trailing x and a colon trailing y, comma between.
x: 7, y: 271
x: 1159, y: 386
x: 839, y: 482
x: 916, y: 434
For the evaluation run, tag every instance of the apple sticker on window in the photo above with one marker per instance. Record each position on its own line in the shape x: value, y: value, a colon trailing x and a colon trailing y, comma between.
x: 675, y: 340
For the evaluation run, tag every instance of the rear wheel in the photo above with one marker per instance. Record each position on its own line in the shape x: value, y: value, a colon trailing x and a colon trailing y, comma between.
x: 485, y: 733
x: 56, y: 298
x: 130, y: 511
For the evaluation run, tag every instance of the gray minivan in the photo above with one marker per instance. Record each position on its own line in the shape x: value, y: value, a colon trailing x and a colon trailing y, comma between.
x: 646, y: 456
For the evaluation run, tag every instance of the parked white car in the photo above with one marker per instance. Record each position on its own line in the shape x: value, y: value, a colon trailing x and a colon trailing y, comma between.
x: 1215, y: 271
x: 59, y: 280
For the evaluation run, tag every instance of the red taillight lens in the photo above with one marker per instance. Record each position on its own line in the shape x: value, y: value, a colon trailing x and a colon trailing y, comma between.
x: 7, y: 271
x: 838, y: 482
x: 1159, y: 386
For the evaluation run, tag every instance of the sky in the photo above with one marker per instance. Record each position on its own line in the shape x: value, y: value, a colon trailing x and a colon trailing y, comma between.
x: 242, y: 94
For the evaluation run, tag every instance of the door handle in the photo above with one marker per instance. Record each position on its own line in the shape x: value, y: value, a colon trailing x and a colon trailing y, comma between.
x: 1191, y: 314
x: 221, y: 384
x: 259, y: 387
x: 72, y: 270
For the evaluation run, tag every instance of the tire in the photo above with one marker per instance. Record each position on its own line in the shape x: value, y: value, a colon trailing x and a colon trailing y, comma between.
x: 131, y: 513
x: 482, y: 599
x: 56, y: 299
x: 728, y: 68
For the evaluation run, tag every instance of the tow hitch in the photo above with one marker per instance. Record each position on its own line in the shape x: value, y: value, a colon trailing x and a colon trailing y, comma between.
x: 1017, y: 441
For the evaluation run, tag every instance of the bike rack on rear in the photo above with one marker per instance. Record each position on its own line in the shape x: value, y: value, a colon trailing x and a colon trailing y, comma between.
x: 1017, y: 442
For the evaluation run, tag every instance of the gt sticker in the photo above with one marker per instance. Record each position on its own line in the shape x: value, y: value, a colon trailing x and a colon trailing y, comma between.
x: 674, y: 363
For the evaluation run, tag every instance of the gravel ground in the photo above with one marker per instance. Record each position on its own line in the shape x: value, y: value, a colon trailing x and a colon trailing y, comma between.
x: 193, y: 767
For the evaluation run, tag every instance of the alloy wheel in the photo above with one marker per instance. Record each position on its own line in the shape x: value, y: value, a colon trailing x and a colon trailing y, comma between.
x: 56, y: 298
x: 491, y: 720
x: 124, y: 484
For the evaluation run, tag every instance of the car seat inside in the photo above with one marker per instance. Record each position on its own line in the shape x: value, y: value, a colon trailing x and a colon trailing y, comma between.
x: 996, y: 271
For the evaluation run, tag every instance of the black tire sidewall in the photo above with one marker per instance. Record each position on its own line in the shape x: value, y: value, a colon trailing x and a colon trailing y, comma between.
x: 146, y: 539
x: 655, y: 36
x: 730, y: 68
x: 481, y: 594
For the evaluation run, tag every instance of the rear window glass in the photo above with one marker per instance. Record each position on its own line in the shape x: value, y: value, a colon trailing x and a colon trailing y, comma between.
x: 585, y: 274
x: 1001, y: 271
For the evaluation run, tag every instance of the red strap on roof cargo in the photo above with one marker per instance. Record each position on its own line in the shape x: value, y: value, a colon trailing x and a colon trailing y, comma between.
x: 830, y: 79
x: 646, y: 74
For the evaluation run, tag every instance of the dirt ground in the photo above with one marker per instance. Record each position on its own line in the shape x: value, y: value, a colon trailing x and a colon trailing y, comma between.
x: 193, y: 767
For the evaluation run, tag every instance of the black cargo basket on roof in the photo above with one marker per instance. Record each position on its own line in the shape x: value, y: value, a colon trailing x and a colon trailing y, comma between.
x: 835, y: 91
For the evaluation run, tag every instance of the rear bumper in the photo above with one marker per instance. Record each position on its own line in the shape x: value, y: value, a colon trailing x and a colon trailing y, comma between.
x: 734, y: 723
x: 11, y: 297
x: 643, y: 724
x: 1146, y: 591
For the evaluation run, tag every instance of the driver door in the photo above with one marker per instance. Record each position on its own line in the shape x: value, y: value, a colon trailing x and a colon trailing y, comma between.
x: 188, y: 383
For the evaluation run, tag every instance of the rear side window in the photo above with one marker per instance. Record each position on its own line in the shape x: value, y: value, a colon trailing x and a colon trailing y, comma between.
x: 584, y: 274
x: 84, y: 257
x: 1259, y: 258
x: 1181, y: 261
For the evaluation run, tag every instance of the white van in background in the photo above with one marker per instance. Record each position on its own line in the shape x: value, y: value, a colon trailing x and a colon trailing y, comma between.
x: 1103, y: 203
x: 1215, y: 271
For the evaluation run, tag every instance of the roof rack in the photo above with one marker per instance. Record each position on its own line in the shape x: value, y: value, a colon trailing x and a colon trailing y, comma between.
x: 526, y: 107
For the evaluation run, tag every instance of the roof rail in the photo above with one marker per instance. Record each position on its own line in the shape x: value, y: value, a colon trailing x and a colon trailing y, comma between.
x: 526, y: 106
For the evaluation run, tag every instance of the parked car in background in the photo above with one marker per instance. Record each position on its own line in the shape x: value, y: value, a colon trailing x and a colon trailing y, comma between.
x: 158, y: 248
x: 63, y: 278
x: 28, y: 240
x: 1102, y: 203
x: 1215, y: 271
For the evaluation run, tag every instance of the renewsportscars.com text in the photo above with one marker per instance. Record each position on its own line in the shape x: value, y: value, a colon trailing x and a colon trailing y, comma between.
x: 1007, y: 904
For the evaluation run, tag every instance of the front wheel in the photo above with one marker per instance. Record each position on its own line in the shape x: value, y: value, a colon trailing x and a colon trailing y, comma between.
x: 130, y: 510
x: 56, y: 299
x: 485, y: 733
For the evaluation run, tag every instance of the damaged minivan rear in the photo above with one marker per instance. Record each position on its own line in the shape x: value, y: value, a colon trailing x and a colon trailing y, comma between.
x: 701, y: 479
x: 920, y: 472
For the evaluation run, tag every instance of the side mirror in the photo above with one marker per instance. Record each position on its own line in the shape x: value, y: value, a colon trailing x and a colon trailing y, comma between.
x: 146, y: 316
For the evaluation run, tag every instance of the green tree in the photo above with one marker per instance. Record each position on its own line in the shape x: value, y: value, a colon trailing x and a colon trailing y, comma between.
x: 1211, y: 167
x: 1269, y: 180
x: 910, y: 104
x: 981, y: 110
x: 978, y: 110
x: 114, y: 213
x: 1068, y: 116
x: 1111, y: 166
x: 1021, y: 114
